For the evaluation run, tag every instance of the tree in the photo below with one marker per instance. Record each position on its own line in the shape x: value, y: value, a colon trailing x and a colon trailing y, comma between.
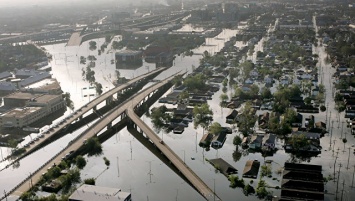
x: 98, y: 87
x: 107, y: 162
x: 195, y: 83
x: 247, y: 119
x: 237, y: 141
x: 298, y: 141
x: 12, y: 143
x: 236, y: 155
x: 261, y: 191
x: 215, y: 128
x: 266, y: 93
x: 266, y: 170
x: 202, y: 116
x: 93, y: 146
x: 254, y: 90
x: 80, y: 162
x: 92, y: 45
x: 224, y: 98
x: 90, y: 181
x: 69, y: 103
x: 322, y: 108
x: 160, y: 117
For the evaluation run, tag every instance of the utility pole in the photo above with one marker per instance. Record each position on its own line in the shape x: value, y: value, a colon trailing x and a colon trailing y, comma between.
x: 342, y: 191
x: 150, y: 172
x: 335, y: 161
x: 196, y: 142
x: 214, y: 189
x: 130, y: 144
x: 347, y: 166
x: 352, y: 182
x: 331, y: 134
x: 342, y: 124
x: 118, y: 168
x: 336, y: 192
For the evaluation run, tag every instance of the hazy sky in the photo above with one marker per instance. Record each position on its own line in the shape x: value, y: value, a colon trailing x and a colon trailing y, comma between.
x: 12, y: 3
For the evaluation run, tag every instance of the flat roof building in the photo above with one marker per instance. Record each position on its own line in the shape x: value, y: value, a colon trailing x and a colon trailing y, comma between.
x: 97, y: 193
x: 46, y: 86
x: 20, y: 117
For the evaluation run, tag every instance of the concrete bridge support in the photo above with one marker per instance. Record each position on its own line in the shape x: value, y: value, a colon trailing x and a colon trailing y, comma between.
x: 109, y: 100
x: 109, y: 125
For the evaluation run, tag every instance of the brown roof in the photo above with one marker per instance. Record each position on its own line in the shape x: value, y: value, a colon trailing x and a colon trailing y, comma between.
x: 251, y: 169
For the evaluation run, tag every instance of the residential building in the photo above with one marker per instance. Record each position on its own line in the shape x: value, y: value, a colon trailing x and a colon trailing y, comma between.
x: 97, y: 193
x: 269, y: 141
x: 218, y: 140
x: 251, y: 169
x: 256, y: 141
x: 232, y: 117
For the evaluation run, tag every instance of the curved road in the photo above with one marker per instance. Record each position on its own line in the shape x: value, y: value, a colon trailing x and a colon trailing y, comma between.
x: 81, y: 111
x: 88, y: 133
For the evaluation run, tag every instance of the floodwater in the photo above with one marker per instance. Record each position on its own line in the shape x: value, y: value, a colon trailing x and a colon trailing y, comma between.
x: 135, y: 169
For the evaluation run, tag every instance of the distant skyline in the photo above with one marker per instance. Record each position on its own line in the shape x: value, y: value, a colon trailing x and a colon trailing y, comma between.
x: 26, y: 3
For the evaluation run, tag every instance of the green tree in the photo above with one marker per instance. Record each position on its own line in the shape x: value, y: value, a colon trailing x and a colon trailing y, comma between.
x: 261, y: 191
x: 215, y: 128
x: 237, y: 141
x: 90, y: 181
x: 98, y: 87
x: 93, y: 146
x: 160, y: 117
x: 69, y: 103
x: 266, y: 93
x: 107, y: 162
x: 195, y: 83
x: 202, y: 116
x: 224, y: 98
x: 80, y: 162
x: 247, y: 119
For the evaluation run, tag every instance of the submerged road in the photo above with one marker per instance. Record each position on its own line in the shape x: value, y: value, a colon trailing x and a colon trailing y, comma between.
x: 81, y: 111
x: 196, y: 181
x: 92, y: 131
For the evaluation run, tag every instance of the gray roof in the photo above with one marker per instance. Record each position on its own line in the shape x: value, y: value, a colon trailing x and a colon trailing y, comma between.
x: 97, y: 193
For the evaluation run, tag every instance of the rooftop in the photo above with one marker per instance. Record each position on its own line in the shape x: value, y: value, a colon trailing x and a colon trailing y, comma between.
x: 21, y: 112
x: 22, y: 95
x: 46, y: 84
x: 97, y: 193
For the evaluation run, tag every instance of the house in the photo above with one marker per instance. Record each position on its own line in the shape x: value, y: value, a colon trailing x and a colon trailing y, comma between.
x: 302, y: 182
x: 268, y: 79
x: 245, y: 88
x: 97, y: 193
x: 251, y: 169
x: 218, y: 140
x: 182, y: 111
x: 254, y: 73
x: 232, y: 117
x: 269, y: 141
x: 321, y: 125
x: 206, y: 140
x: 263, y: 120
x: 234, y: 104
x: 315, y: 91
x: 285, y: 80
x: 256, y: 141
x: 298, y: 121
x: 224, y: 167
x: 249, y: 81
x: 308, y: 135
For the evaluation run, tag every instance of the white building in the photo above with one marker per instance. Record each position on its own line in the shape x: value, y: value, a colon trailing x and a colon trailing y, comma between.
x: 36, y: 107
